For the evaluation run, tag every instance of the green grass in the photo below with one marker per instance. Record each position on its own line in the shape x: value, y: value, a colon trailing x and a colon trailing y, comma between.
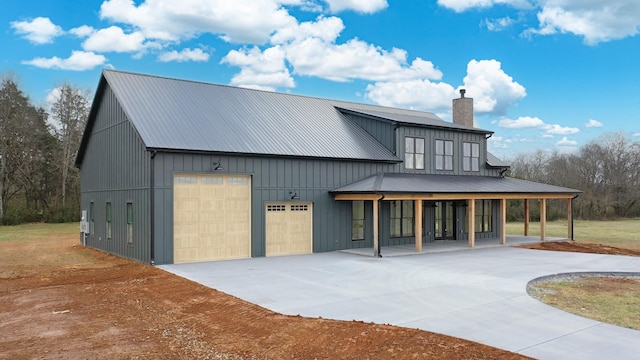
x: 619, y: 233
x: 30, y: 232
x: 611, y: 300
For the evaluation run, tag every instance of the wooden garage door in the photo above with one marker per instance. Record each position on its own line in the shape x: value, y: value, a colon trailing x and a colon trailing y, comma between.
x: 288, y: 228
x: 211, y: 217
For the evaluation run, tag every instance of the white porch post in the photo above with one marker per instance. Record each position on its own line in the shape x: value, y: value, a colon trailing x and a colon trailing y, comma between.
x: 472, y: 222
x: 503, y: 223
x: 543, y: 219
x: 418, y: 224
x: 375, y: 227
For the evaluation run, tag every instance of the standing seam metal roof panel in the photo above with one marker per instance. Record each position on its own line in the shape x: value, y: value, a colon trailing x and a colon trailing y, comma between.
x: 187, y: 115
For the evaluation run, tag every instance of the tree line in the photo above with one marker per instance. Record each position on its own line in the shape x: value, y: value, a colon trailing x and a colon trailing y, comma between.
x: 38, y: 179
x: 606, y: 170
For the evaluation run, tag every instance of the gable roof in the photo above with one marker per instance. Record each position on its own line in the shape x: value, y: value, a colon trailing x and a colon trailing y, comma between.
x: 181, y: 115
x: 446, y: 184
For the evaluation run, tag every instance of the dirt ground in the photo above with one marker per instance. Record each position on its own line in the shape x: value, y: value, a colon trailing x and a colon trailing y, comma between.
x: 60, y: 300
x: 572, y: 246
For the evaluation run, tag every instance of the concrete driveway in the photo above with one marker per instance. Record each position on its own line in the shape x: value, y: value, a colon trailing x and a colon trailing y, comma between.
x: 476, y: 294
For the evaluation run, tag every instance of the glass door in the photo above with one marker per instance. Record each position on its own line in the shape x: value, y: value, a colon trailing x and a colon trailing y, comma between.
x: 445, y: 220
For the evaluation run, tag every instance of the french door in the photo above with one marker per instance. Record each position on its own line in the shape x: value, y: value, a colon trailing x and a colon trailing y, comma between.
x: 445, y: 220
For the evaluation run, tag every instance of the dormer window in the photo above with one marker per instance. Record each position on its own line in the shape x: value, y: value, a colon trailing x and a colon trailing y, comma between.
x: 444, y: 154
x: 470, y: 156
x: 414, y: 153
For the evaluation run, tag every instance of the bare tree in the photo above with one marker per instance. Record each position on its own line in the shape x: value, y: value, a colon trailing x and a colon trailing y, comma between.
x: 69, y: 113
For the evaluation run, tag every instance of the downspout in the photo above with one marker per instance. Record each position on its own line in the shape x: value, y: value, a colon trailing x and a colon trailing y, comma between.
x: 572, y: 212
x: 504, y: 170
x: 379, y: 232
x: 152, y: 205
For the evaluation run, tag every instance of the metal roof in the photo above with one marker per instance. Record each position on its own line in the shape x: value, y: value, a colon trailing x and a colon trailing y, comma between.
x: 418, y: 183
x: 415, y: 118
x: 493, y: 161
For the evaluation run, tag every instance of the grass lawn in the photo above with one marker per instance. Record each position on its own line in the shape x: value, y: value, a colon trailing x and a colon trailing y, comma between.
x: 31, y: 232
x: 619, y: 233
x: 607, y: 299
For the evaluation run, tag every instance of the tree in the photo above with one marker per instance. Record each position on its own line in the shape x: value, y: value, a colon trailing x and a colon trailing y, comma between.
x: 22, y: 128
x: 69, y: 113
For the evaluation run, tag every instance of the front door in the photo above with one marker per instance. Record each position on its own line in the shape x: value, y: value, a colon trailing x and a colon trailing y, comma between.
x: 445, y: 220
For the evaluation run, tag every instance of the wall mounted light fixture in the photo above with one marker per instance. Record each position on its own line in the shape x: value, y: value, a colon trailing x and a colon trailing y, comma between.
x: 294, y: 195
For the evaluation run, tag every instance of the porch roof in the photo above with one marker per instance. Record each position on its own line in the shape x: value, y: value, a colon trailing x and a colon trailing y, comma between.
x: 395, y: 183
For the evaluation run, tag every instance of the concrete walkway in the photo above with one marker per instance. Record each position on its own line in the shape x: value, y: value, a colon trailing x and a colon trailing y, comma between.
x: 476, y: 294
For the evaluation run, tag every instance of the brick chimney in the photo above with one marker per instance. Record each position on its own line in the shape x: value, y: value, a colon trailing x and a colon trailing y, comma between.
x: 463, y: 110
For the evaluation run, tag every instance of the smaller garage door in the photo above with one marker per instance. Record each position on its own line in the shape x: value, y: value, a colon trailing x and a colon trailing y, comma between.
x: 289, y: 228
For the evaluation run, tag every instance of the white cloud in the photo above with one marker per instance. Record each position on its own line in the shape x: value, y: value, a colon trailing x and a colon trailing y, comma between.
x: 78, y: 61
x: 636, y: 134
x: 492, y: 90
x: 593, y: 123
x: 241, y: 21
x: 596, y: 21
x: 567, y: 146
x: 463, y: 5
x: 114, y: 39
x: 555, y: 129
x: 498, y: 24
x: 363, y: 6
x: 525, y: 122
x: 39, y: 30
x: 415, y: 94
x: 521, y: 122
x: 82, y: 31
x: 260, y: 70
x: 184, y: 55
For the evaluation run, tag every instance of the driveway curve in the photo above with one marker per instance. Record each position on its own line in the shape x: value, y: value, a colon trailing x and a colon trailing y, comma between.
x: 476, y: 294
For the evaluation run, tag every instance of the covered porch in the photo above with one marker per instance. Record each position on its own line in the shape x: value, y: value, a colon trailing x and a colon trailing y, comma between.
x: 441, y: 246
x: 420, y: 189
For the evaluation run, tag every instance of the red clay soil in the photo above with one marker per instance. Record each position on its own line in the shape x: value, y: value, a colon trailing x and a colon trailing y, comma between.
x: 572, y: 246
x: 59, y: 300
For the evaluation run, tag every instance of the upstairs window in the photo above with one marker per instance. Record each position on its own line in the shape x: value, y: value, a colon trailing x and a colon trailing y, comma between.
x: 414, y: 153
x: 357, y: 220
x: 470, y: 156
x: 444, y: 154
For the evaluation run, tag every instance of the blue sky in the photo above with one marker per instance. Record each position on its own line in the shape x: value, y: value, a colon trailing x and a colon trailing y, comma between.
x: 544, y: 74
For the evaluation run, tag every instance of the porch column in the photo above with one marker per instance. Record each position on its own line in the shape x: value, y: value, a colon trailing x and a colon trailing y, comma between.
x: 570, y: 218
x: 418, y: 224
x: 375, y: 227
x: 526, y: 217
x: 503, y: 223
x: 472, y: 222
x: 543, y: 219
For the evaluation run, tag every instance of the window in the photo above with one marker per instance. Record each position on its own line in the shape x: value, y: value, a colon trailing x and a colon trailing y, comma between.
x: 276, y: 207
x: 299, y: 207
x: 470, y: 156
x: 92, y: 217
x: 212, y: 180
x: 483, y: 216
x: 109, y: 218
x: 237, y: 181
x: 444, y: 155
x: 129, y: 223
x: 413, y: 153
x: 401, y: 218
x: 357, y: 220
x: 185, y: 180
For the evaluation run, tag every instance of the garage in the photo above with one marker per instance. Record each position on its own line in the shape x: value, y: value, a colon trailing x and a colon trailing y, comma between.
x: 289, y: 228
x: 211, y: 217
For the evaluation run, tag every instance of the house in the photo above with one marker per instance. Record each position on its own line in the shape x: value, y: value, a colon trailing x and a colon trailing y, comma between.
x: 182, y: 171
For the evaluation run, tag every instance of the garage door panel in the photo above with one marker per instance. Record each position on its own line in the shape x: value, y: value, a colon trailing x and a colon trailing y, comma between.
x: 211, y: 221
x: 288, y: 228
